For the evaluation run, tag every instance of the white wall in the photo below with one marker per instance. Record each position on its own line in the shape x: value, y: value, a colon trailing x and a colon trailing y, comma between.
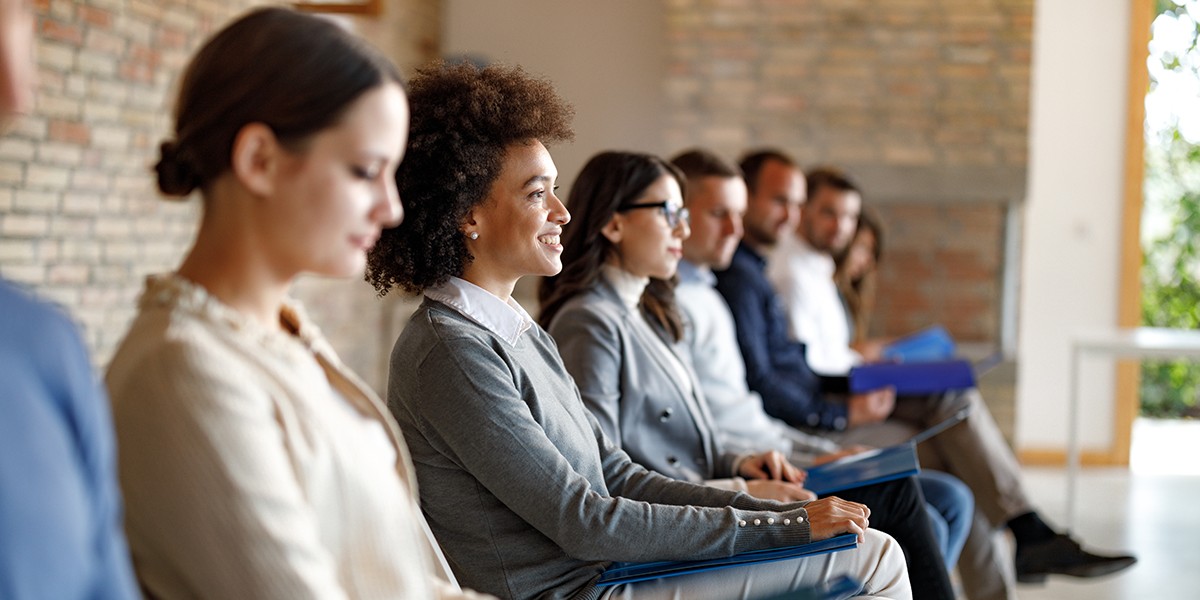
x: 1069, y: 268
x: 607, y: 58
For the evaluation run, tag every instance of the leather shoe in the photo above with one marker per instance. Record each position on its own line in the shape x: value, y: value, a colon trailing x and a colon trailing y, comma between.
x: 1061, y: 555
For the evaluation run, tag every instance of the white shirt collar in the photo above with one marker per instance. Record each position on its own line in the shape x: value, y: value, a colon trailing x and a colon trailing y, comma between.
x: 505, y: 319
x: 628, y: 286
x: 821, y: 263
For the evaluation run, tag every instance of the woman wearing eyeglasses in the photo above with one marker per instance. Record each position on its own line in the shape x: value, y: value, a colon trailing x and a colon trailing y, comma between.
x: 612, y: 313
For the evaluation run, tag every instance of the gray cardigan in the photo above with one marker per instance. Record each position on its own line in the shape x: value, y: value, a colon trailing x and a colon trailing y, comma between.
x: 638, y: 398
x: 525, y: 494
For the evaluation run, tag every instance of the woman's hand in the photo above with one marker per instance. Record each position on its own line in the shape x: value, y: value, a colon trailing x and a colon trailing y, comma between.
x: 831, y: 516
x: 771, y: 465
x: 781, y: 491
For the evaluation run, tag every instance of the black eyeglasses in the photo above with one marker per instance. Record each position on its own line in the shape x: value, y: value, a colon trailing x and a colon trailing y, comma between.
x: 674, y: 213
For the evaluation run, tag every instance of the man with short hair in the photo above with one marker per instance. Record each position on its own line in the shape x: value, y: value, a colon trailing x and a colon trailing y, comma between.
x: 974, y: 451
x: 802, y: 268
x: 716, y: 198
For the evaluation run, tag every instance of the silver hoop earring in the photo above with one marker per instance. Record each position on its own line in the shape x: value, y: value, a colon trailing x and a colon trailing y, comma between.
x: 473, y: 235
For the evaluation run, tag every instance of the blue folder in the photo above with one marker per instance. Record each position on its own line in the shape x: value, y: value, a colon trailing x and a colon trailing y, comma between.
x: 633, y: 572
x: 932, y: 344
x: 864, y: 468
x: 913, y: 379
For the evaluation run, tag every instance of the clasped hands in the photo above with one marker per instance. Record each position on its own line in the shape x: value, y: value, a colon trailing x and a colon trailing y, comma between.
x: 769, y: 475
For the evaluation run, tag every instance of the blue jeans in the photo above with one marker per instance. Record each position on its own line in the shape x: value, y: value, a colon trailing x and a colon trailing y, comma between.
x: 950, y: 506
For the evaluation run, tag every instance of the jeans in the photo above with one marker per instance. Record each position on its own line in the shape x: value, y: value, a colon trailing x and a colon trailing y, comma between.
x: 950, y: 506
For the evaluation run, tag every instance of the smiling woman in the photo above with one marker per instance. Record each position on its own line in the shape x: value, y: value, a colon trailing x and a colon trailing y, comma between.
x: 521, y: 486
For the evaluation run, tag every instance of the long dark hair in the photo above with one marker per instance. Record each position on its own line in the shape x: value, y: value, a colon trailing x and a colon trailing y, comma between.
x: 607, y: 182
x: 295, y: 73
x: 859, y: 294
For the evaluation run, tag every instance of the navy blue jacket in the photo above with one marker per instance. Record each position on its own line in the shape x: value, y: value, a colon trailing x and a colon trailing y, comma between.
x: 775, y: 364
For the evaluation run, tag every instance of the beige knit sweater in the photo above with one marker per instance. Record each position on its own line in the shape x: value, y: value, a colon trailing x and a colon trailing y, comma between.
x: 256, y: 465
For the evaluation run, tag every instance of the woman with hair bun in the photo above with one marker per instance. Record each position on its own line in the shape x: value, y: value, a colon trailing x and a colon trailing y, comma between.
x: 524, y: 491
x: 254, y: 463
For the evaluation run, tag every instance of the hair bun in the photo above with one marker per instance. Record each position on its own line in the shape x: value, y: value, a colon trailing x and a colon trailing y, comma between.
x: 176, y: 174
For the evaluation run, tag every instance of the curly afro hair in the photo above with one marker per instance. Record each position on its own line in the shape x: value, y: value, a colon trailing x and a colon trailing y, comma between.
x: 464, y: 118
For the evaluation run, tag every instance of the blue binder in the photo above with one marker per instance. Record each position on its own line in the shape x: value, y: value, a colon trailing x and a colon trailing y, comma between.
x: 633, y: 572
x: 932, y: 344
x: 864, y: 468
x: 913, y: 379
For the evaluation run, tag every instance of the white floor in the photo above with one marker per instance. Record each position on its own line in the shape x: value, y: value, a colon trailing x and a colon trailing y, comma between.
x: 1151, y: 509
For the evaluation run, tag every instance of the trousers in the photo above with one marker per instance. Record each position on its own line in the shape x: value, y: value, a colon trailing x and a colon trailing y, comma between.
x: 974, y: 451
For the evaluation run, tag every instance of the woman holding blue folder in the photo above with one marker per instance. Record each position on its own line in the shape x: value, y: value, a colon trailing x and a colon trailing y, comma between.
x: 612, y: 312
x: 525, y: 493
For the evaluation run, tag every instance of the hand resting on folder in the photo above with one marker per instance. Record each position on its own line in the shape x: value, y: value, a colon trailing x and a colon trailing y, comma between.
x: 770, y: 476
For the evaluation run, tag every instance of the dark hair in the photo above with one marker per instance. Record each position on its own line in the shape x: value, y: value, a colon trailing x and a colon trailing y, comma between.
x: 828, y: 177
x: 293, y: 72
x: 464, y: 119
x: 867, y: 220
x: 859, y: 294
x: 752, y: 162
x: 697, y: 163
x: 608, y: 181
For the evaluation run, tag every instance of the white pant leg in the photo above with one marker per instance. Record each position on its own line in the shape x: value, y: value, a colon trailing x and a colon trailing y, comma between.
x: 878, y: 563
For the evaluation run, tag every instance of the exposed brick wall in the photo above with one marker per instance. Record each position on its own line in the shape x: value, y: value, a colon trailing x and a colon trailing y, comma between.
x: 80, y: 220
x: 896, y: 82
x: 924, y: 101
x: 941, y: 264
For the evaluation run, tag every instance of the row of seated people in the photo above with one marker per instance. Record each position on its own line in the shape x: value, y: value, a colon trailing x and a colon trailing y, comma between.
x: 254, y: 464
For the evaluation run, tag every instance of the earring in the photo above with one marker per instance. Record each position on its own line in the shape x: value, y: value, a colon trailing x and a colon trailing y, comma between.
x: 473, y: 235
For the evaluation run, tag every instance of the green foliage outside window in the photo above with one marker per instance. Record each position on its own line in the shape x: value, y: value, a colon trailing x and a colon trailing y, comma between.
x: 1171, y: 263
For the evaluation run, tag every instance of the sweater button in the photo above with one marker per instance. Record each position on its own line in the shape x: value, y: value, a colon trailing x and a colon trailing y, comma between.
x: 666, y: 414
x: 758, y: 521
x: 787, y: 521
x: 741, y: 523
x: 672, y: 460
x: 771, y: 521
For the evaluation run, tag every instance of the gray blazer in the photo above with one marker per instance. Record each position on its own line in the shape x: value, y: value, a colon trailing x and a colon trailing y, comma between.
x: 633, y: 392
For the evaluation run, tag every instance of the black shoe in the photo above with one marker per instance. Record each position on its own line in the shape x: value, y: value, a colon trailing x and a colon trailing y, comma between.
x: 1061, y: 555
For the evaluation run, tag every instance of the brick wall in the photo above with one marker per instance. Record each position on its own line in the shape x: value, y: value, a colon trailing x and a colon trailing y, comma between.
x: 941, y: 264
x: 925, y: 102
x: 80, y: 220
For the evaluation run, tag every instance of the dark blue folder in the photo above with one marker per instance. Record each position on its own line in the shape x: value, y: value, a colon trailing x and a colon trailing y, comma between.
x: 864, y: 468
x: 913, y: 379
x: 633, y: 572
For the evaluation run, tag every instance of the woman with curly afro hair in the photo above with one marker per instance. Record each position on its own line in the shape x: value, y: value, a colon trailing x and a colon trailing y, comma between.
x: 524, y: 492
